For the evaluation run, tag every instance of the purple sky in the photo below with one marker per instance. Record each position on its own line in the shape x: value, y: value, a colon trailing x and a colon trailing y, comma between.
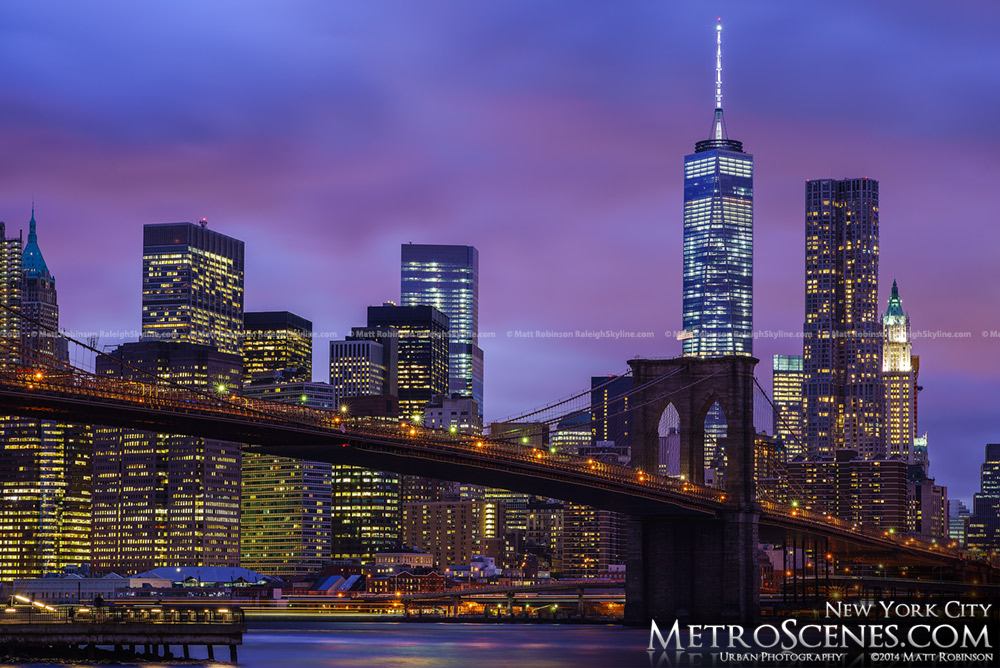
x: 548, y: 135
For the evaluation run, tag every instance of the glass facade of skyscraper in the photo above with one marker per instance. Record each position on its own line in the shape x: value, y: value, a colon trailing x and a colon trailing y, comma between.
x: 192, y: 286
x: 447, y: 278
x: 718, y: 247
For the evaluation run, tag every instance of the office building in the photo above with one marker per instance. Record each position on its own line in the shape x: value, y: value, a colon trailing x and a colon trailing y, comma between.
x: 610, y: 410
x: 45, y: 465
x: 365, y: 513
x: 364, y: 365
x: 285, y: 515
x: 312, y: 395
x: 842, y: 352
x: 163, y: 499
x: 927, y: 509
x: 277, y: 348
x: 983, y: 527
x: 40, y: 306
x: 718, y: 240
x: 898, y: 377
x: 958, y: 515
x: 572, y: 434
x: 192, y: 286
x: 286, y: 504
x: 11, y: 283
x: 789, y: 408
x: 447, y: 278
x: 421, y: 333
x: 456, y: 414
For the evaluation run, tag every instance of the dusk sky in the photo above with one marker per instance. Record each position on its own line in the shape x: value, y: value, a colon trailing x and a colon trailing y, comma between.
x: 549, y: 135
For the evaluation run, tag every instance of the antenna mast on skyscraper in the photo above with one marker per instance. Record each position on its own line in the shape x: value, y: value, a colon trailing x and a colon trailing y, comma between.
x: 718, y: 64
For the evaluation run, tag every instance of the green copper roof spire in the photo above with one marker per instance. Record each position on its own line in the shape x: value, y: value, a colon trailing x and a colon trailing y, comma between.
x: 895, y: 304
x: 33, y: 262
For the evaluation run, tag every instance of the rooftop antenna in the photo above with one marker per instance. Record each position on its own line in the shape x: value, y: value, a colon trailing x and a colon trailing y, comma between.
x: 718, y: 64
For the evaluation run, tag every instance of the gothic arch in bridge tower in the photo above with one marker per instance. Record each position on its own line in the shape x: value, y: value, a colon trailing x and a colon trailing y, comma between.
x: 692, y: 386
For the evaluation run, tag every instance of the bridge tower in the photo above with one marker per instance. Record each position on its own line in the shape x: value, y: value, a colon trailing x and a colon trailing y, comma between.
x: 695, y: 567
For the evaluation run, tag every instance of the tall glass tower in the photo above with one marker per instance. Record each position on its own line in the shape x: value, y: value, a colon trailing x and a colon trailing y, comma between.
x: 718, y: 240
x: 447, y: 278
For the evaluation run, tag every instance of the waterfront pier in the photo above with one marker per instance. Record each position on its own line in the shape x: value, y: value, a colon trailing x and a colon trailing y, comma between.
x: 148, y: 631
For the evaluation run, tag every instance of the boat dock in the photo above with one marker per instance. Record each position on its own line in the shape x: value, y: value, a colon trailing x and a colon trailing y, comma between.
x: 126, y: 631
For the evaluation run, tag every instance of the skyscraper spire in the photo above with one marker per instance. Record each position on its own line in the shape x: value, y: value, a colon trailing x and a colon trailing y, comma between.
x: 33, y: 264
x: 718, y: 137
x: 718, y: 64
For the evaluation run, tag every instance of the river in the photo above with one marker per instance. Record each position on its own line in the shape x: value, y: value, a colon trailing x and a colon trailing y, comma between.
x: 415, y: 645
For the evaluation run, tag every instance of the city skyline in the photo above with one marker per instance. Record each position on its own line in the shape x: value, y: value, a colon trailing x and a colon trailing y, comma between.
x: 586, y: 129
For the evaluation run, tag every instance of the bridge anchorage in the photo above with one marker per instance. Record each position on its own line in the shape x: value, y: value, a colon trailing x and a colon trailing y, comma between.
x: 695, y: 567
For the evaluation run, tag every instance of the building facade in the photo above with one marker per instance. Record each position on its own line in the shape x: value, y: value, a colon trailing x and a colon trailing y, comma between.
x: 45, y: 465
x: 192, y: 285
x: 363, y: 365
x: 421, y: 333
x: 286, y: 504
x: 447, y: 278
x: 983, y: 527
x: 285, y: 515
x: 898, y: 377
x: 164, y: 499
x: 11, y: 284
x: 277, y: 348
x: 842, y: 352
x: 872, y: 493
x: 789, y: 408
x: 453, y: 530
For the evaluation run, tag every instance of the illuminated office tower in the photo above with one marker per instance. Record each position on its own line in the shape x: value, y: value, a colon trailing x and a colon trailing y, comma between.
x: 572, y: 434
x: 45, y: 465
x: 610, y: 409
x: 842, y: 351
x: 277, y: 348
x: 286, y: 503
x: 366, y: 503
x: 718, y: 240
x: 363, y: 365
x: 898, y: 377
x: 958, y: 516
x: 11, y: 282
x: 421, y: 333
x: 285, y: 515
x: 789, y: 409
x: 983, y: 526
x: 447, y: 278
x: 365, y: 512
x: 192, y: 285
x: 163, y: 499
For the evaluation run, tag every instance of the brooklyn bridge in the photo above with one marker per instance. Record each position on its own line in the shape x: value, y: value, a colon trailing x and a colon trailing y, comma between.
x: 692, y: 549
